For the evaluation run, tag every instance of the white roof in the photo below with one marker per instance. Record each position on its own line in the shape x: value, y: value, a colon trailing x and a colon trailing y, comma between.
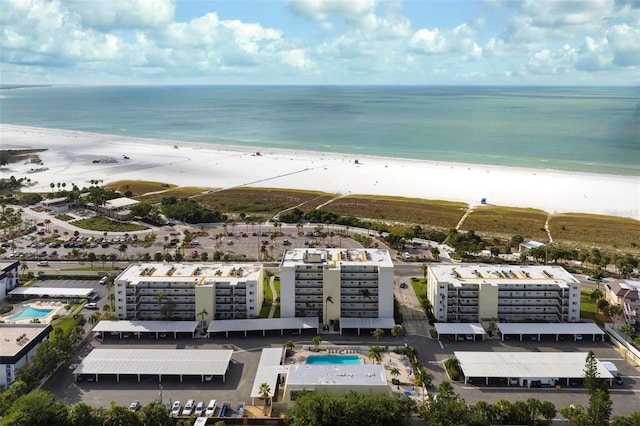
x: 318, y: 375
x: 459, y: 328
x: 51, y: 291
x: 531, y: 365
x: 193, y: 362
x: 206, y: 274
x: 336, y: 257
x: 473, y: 273
x: 117, y: 203
x: 549, y: 328
x: 262, y: 324
x: 147, y: 326
x: 531, y: 244
x: 268, y: 369
x: 384, y: 323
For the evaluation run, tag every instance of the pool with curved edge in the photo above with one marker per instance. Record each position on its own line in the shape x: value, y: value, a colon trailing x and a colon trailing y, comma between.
x: 28, y: 313
x: 334, y: 360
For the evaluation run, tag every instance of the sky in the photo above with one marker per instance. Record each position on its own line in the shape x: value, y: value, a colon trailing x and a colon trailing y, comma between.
x: 304, y: 42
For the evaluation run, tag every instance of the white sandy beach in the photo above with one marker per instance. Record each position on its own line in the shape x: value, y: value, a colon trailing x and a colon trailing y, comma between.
x: 70, y: 158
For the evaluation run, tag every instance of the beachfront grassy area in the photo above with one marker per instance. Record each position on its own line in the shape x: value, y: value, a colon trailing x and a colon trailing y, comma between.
x: 588, y: 309
x: 267, y: 201
x: 507, y: 221
x: 175, y: 191
x: 435, y: 213
x: 586, y: 230
x: 108, y: 225
x: 137, y: 187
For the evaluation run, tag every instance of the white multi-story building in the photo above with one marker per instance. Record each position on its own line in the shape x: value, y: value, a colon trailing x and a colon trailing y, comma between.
x: 189, y: 291
x: 474, y: 292
x: 18, y: 346
x: 8, y: 277
x: 347, y: 283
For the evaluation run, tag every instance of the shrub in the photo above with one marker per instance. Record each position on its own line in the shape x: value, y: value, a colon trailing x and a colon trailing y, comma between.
x: 6, y: 309
x: 433, y: 333
x: 454, y: 374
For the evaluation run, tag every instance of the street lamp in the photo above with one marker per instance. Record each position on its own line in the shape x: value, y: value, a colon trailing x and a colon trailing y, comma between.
x: 160, y: 393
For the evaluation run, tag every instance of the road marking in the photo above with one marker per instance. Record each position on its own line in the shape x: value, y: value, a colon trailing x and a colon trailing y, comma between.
x: 611, y: 359
x: 441, y: 345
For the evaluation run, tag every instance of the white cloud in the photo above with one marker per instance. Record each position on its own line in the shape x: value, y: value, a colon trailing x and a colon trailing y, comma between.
x: 625, y: 45
x: 323, y: 10
x: 558, y: 62
x: 122, y: 13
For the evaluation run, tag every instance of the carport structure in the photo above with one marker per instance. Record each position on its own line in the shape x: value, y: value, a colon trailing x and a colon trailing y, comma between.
x: 263, y: 324
x: 526, y: 367
x: 460, y: 329
x: 576, y: 330
x: 366, y: 323
x: 155, y: 362
x: 53, y: 292
x: 269, y: 370
x: 140, y: 327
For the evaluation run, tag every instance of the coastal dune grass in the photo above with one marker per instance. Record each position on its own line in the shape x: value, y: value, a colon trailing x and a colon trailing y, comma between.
x: 268, y: 201
x: 606, y: 232
x: 436, y: 213
x: 506, y: 222
x: 175, y: 191
x: 138, y: 187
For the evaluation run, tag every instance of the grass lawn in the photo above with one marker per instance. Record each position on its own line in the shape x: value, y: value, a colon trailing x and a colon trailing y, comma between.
x: 138, y: 187
x: 420, y: 287
x: 588, y: 309
x: 67, y: 323
x: 104, y: 224
x: 268, y: 299
x: 64, y: 217
x: 507, y: 221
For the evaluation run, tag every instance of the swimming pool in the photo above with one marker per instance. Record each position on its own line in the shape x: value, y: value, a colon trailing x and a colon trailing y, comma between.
x: 28, y: 312
x: 334, y: 359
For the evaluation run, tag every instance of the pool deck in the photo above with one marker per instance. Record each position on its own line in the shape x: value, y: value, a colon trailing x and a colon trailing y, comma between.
x: 390, y: 360
x: 56, y: 308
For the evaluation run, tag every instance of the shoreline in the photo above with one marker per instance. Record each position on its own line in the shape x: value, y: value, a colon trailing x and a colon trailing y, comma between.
x: 70, y: 158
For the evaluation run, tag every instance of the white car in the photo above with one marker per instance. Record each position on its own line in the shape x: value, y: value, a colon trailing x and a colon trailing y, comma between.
x: 211, y: 408
x: 199, y: 409
x: 175, y: 408
x: 91, y: 306
x: 188, y: 407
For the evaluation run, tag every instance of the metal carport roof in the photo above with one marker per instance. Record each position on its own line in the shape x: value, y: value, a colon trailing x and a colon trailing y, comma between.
x: 531, y: 365
x: 459, y: 328
x: 550, y: 328
x: 369, y: 323
x: 269, y: 368
x: 146, y: 326
x: 51, y: 291
x: 160, y: 362
x: 263, y: 324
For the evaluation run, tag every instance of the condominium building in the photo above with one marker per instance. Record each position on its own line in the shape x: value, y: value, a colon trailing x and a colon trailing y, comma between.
x: 189, y: 291
x: 347, y: 283
x: 18, y: 346
x: 8, y: 277
x: 625, y: 293
x: 474, y: 292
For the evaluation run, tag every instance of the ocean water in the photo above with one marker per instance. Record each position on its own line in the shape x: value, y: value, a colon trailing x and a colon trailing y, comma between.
x: 589, y: 129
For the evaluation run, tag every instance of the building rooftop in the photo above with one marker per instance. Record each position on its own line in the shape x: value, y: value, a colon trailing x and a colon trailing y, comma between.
x: 82, y: 292
x: 198, y: 273
x: 336, y: 257
x: 268, y: 370
x: 146, y: 326
x: 15, y: 338
x: 460, y: 274
x: 549, y: 328
x: 622, y: 287
x: 118, y: 203
x: 358, y: 375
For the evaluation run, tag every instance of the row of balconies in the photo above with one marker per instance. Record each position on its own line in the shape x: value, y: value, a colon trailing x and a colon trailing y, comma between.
x: 529, y: 302
x: 309, y: 284
x: 361, y: 299
x: 359, y: 276
x: 308, y: 306
x: 358, y: 290
x: 359, y: 307
x: 309, y: 299
x: 359, y: 284
x: 359, y: 314
x: 540, y: 309
x: 309, y: 276
x: 231, y: 308
x: 308, y: 291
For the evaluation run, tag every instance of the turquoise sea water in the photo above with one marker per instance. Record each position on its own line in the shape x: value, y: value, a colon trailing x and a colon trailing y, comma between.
x: 29, y: 312
x: 334, y: 360
x: 590, y: 129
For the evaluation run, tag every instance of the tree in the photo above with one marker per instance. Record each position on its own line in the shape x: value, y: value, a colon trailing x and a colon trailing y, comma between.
x: 38, y: 408
x: 156, y: 414
x: 81, y: 414
x: 202, y: 314
x: 316, y: 342
x: 378, y: 334
x: 265, y: 392
x: 375, y: 353
x: 603, y: 304
x: 423, y: 379
x: 289, y: 346
x: 600, y: 407
x: 91, y: 257
x: 424, y: 268
x: 123, y: 250
x: 395, y: 372
x: 627, y: 329
x: 398, y: 331
x: 592, y: 381
x: 596, y: 295
x: 109, y: 286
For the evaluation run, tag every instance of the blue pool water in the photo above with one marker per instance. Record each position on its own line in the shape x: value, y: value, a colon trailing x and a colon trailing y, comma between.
x: 29, y: 312
x: 334, y: 359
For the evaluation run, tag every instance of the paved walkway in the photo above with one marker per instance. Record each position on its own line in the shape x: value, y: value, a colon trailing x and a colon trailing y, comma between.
x: 414, y: 318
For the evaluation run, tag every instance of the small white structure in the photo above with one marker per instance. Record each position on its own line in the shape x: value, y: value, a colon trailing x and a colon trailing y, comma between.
x: 525, y: 246
x: 119, y: 208
x: 56, y: 205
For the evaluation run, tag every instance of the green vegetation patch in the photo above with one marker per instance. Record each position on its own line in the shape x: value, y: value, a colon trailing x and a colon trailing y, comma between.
x: 64, y: 217
x: 588, y: 309
x: 587, y: 230
x: 104, y: 224
x: 507, y: 221
x: 436, y: 213
x: 175, y: 191
x: 262, y: 200
x: 138, y: 187
x: 15, y: 155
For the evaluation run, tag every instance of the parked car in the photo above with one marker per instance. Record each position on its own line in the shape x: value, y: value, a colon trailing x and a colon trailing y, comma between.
x: 91, y: 306
x: 403, y: 285
x: 135, y: 406
x: 199, y: 409
x: 103, y: 281
x: 43, y: 263
x: 175, y: 408
x: 211, y: 408
x: 188, y: 408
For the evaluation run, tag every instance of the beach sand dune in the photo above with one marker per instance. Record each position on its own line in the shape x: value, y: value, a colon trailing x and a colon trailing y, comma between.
x: 75, y: 157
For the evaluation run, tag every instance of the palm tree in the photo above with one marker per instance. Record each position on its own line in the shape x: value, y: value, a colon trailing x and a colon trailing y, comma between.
x: 398, y: 331
x: 94, y: 318
x: 24, y: 268
x: 375, y: 353
x: 378, y: 334
x: 111, y: 296
x: 289, y: 346
x: 328, y: 300
x: 265, y: 392
x: 203, y: 313
x: 103, y: 258
x: 395, y: 372
x: 424, y: 268
x: 316, y: 342
x: 123, y: 251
